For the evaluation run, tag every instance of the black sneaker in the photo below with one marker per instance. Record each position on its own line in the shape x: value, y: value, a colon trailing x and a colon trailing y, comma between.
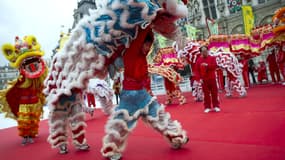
x: 25, y: 141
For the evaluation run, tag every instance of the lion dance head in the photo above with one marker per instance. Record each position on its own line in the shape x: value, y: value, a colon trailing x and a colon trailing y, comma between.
x: 25, y: 55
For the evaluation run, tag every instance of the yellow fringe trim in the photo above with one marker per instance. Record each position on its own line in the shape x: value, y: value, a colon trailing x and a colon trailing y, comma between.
x: 30, y: 112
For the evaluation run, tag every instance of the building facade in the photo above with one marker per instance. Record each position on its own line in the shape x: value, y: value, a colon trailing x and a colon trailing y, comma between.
x: 7, y: 74
x: 83, y: 7
x: 228, y: 14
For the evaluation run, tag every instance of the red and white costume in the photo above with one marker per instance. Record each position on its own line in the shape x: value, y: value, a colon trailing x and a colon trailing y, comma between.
x: 136, y: 102
x: 273, y: 67
x: 207, y: 74
x: 117, y: 30
x: 245, y: 77
x: 281, y: 59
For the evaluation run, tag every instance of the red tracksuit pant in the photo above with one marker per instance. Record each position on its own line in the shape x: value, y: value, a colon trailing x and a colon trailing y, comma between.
x: 210, y: 90
x: 245, y: 78
x: 274, y: 71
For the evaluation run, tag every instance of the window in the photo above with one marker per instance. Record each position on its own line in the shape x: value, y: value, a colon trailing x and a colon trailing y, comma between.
x: 261, y: 1
x: 210, y: 9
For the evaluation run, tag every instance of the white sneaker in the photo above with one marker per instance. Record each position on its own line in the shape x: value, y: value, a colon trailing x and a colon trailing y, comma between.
x: 116, y: 156
x: 217, y: 109
x: 63, y: 149
x: 83, y: 147
x: 30, y: 140
x: 228, y: 95
x: 207, y: 110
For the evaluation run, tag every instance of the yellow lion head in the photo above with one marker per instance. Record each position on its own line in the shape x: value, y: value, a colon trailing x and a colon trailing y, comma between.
x: 25, y: 55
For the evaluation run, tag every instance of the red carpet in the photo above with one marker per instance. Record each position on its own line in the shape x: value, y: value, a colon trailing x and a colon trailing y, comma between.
x: 246, y: 129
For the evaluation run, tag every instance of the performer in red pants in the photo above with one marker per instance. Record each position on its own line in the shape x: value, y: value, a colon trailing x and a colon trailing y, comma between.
x: 281, y: 59
x: 136, y: 102
x: 206, y: 66
x: 273, y: 67
x: 90, y: 99
x: 262, y: 75
x: 244, y: 62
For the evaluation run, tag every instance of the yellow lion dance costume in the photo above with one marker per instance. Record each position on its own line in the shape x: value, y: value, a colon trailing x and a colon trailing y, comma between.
x: 23, y: 99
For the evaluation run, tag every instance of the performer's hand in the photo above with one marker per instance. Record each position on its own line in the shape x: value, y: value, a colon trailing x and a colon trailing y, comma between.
x: 204, y: 64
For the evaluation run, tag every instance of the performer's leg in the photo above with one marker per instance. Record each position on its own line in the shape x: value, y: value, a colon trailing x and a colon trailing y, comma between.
x: 277, y: 72
x: 91, y: 100
x: 253, y: 77
x: 214, y: 94
x: 161, y: 121
x: 117, y: 98
x: 207, y: 98
x: 90, y: 107
x: 78, y: 125
x: 271, y: 70
x: 28, y: 121
x: 122, y: 121
x: 36, y: 111
x: 117, y: 130
x: 282, y: 70
x: 58, y: 129
x: 245, y: 79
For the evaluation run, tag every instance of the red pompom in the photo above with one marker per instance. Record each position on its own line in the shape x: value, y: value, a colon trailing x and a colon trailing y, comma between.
x: 185, y: 1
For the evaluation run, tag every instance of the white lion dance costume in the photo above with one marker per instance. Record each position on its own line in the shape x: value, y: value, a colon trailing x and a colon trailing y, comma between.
x: 102, y: 91
x: 225, y: 60
x: 117, y: 30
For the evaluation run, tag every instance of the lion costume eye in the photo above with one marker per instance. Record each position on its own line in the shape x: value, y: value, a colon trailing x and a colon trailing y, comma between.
x: 9, y: 52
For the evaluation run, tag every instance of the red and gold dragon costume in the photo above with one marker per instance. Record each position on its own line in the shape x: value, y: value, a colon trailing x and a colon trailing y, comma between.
x: 23, y: 99
x: 167, y: 62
